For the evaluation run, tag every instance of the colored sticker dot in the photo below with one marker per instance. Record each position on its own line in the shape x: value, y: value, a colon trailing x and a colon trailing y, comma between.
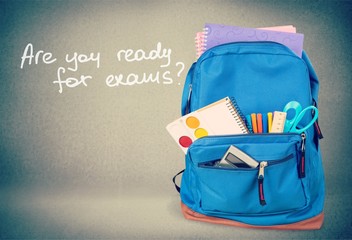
x: 185, y: 141
x: 192, y: 122
x: 200, y: 132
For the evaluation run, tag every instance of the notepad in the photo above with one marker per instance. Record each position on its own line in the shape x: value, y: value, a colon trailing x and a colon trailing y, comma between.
x: 216, y: 34
x: 219, y: 118
x: 284, y: 28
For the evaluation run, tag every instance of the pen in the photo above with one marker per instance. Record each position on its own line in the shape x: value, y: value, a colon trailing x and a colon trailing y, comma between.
x: 254, y: 123
x: 265, y: 123
x: 259, y: 123
x: 249, y: 123
x: 270, y: 120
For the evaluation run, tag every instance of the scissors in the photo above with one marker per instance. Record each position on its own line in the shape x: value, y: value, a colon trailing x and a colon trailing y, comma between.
x: 291, y: 124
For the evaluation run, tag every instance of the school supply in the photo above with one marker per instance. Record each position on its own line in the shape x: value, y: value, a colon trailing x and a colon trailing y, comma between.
x: 254, y: 123
x: 287, y: 190
x: 201, y: 37
x: 265, y: 123
x: 278, y: 122
x: 235, y: 158
x: 260, y: 122
x: 285, y: 28
x: 291, y: 124
x: 220, y: 117
x: 199, y: 41
x: 270, y: 120
x: 249, y: 123
x: 217, y: 34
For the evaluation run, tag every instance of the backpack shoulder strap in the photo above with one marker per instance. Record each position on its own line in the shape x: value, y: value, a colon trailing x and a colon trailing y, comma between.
x: 187, y: 91
x: 314, y: 82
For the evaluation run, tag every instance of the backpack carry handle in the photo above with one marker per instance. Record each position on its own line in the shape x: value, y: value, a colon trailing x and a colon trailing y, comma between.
x: 174, y: 181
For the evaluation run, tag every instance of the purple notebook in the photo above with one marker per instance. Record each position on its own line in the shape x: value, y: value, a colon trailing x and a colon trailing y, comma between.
x: 216, y: 34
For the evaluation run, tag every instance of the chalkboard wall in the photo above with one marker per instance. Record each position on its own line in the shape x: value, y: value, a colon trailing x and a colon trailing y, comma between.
x: 87, y: 88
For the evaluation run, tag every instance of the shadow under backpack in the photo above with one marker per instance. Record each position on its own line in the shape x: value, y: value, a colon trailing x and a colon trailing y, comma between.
x: 262, y: 77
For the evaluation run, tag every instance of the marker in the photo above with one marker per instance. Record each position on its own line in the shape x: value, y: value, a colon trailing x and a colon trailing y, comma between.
x: 254, y: 123
x: 270, y: 120
x: 259, y: 123
x: 265, y: 123
x: 249, y: 123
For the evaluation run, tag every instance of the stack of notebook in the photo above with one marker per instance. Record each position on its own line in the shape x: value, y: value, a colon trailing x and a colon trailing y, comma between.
x: 216, y: 34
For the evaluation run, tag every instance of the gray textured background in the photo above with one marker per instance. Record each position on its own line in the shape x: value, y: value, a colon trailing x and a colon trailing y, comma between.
x: 97, y: 162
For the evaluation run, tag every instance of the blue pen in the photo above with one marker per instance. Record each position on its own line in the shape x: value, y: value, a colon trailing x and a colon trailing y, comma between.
x: 249, y: 123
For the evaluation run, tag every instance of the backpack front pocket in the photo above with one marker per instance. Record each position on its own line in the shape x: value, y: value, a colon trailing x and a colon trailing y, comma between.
x: 273, y: 187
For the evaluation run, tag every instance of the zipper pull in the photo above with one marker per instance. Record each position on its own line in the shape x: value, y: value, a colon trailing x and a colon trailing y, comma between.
x: 316, y: 124
x: 317, y: 130
x: 302, y: 162
x: 262, y: 166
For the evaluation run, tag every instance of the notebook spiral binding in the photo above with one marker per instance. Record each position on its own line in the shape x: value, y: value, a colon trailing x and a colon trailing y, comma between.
x: 236, y: 112
x: 201, y: 42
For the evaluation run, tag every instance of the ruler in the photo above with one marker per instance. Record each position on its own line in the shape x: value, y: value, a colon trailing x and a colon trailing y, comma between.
x: 278, y: 122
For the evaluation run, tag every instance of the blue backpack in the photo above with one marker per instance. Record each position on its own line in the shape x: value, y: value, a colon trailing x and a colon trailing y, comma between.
x: 262, y: 77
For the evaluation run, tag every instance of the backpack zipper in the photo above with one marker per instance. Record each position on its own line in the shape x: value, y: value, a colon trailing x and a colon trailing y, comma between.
x: 258, y: 44
x: 251, y: 135
x: 264, y: 164
x: 302, y: 162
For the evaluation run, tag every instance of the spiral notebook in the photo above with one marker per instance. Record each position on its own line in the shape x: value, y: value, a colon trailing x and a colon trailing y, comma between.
x: 219, y: 118
x: 216, y: 34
